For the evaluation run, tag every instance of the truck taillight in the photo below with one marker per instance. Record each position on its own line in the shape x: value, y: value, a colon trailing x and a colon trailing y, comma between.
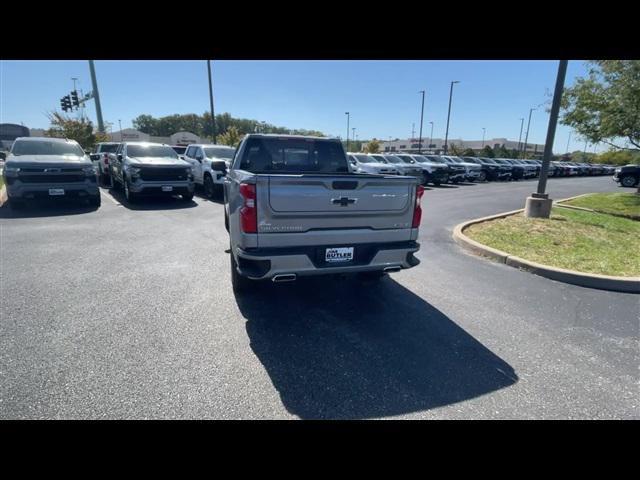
x: 248, y: 212
x: 417, y: 211
x: 106, y: 159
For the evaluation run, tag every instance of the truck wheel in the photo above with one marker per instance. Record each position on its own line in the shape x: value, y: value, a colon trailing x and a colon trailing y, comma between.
x: 482, y: 177
x: 628, y: 181
x: 238, y: 282
x: 187, y: 197
x: 436, y: 183
x: 209, y: 187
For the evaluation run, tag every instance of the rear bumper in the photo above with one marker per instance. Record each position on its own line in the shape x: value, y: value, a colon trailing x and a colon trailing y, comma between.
x: 265, y: 263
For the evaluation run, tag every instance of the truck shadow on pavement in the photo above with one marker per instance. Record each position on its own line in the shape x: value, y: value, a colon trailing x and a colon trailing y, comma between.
x: 37, y: 209
x: 151, y: 202
x: 339, y: 349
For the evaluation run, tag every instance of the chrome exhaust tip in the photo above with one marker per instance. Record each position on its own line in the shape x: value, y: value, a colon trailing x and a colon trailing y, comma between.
x: 392, y: 269
x: 284, y: 277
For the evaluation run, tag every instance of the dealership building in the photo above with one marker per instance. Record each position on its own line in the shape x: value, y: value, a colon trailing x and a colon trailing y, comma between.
x: 133, y: 135
x: 436, y: 145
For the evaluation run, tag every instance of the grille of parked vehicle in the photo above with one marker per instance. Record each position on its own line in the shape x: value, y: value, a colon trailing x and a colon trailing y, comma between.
x: 163, y: 174
x: 49, y: 175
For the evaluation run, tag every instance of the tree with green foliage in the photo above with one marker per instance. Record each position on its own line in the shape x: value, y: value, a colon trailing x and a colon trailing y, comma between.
x: 201, y: 125
x: 231, y: 137
x: 501, y: 152
x: 81, y: 131
x: 373, y: 146
x: 487, y: 151
x: 469, y: 153
x: 618, y: 157
x: 605, y: 106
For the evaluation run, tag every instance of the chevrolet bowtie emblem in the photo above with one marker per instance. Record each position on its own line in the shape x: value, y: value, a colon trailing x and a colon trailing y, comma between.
x: 343, y: 201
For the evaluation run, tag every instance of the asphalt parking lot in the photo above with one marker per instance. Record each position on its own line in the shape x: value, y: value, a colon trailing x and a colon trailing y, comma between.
x: 128, y: 312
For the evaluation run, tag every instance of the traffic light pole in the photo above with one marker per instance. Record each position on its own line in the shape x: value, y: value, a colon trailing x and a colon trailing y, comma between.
x: 96, y: 96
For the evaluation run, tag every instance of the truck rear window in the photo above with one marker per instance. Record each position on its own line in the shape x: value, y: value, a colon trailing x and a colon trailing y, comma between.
x: 108, y: 148
x: 293, y: 155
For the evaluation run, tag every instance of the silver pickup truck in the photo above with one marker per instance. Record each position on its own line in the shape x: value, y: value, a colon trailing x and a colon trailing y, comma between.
x: 143, y: 168
x: 48, y: 168
x: 294, y: 208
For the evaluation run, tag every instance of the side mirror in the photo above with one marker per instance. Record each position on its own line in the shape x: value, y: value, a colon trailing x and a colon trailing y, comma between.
x: 199, y: 159
x: 119, y: 157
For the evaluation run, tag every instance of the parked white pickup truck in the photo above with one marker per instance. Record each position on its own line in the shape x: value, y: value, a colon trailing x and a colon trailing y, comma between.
x: 101, y: 156
x: 293, y: 207
x: 209, y: 164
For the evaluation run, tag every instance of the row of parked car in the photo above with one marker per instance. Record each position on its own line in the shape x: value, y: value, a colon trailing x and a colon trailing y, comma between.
x: 48, y: 167
x: 142, y: 168
x: 439, y: 169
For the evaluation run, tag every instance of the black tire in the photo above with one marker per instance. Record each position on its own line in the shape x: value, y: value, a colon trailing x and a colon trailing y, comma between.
x: 130, y: 196
x: 437, y: 184
x: 628, y: 181
x: 187, y: 197
x: 95, y: 201
x: 16, y: 204
x: 482, y: 177
x: 238, y: 282
x: 209, y: 186
x: 226, y: 221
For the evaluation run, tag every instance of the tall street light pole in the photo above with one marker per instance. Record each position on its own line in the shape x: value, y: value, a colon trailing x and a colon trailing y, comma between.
x: 520, y: 137
x: 526, y: 137
x: 431, y: 136
x: 347, y: 114
x: 446, y: 135
x: 568, y: 141
x: 413, y: 131
x: 483, y: 132
x: 213, y: 117
x: 353, y: 135
x: 120, y: 124
x: 421, y: 118
x: 539, y: 204
x: 96, y: 96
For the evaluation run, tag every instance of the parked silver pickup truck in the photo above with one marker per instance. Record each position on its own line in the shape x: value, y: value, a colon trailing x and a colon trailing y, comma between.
x: 294, y: 208
x: 48, y: 168
x: 143, y: 168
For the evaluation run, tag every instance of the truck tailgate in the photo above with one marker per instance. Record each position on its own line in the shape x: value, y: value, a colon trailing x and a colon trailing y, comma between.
x: 301, y: 203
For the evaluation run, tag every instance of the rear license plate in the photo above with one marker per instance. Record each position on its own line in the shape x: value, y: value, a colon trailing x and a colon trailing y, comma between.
x: 56, y: 191
x: 167, y: 188
x: 344, y: 254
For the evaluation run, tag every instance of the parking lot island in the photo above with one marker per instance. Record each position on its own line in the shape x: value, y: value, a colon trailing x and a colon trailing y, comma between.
x: 595, y: 243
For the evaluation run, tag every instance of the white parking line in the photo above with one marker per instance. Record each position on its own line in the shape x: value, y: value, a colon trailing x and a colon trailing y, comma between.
x: 106, y: 195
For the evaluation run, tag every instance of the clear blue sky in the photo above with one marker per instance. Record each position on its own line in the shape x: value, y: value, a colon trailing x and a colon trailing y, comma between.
x: 382, y: 96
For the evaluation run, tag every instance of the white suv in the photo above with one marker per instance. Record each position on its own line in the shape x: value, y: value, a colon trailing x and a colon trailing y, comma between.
x: 210, y: 164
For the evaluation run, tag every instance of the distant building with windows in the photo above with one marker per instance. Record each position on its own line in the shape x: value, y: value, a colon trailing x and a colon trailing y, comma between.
x: 436, y: 145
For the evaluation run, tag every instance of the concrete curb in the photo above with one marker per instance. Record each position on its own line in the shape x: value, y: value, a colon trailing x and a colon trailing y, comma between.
x: 591, y: 280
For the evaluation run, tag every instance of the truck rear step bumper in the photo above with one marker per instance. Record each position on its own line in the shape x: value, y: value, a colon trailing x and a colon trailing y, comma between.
x: 266, y: 263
